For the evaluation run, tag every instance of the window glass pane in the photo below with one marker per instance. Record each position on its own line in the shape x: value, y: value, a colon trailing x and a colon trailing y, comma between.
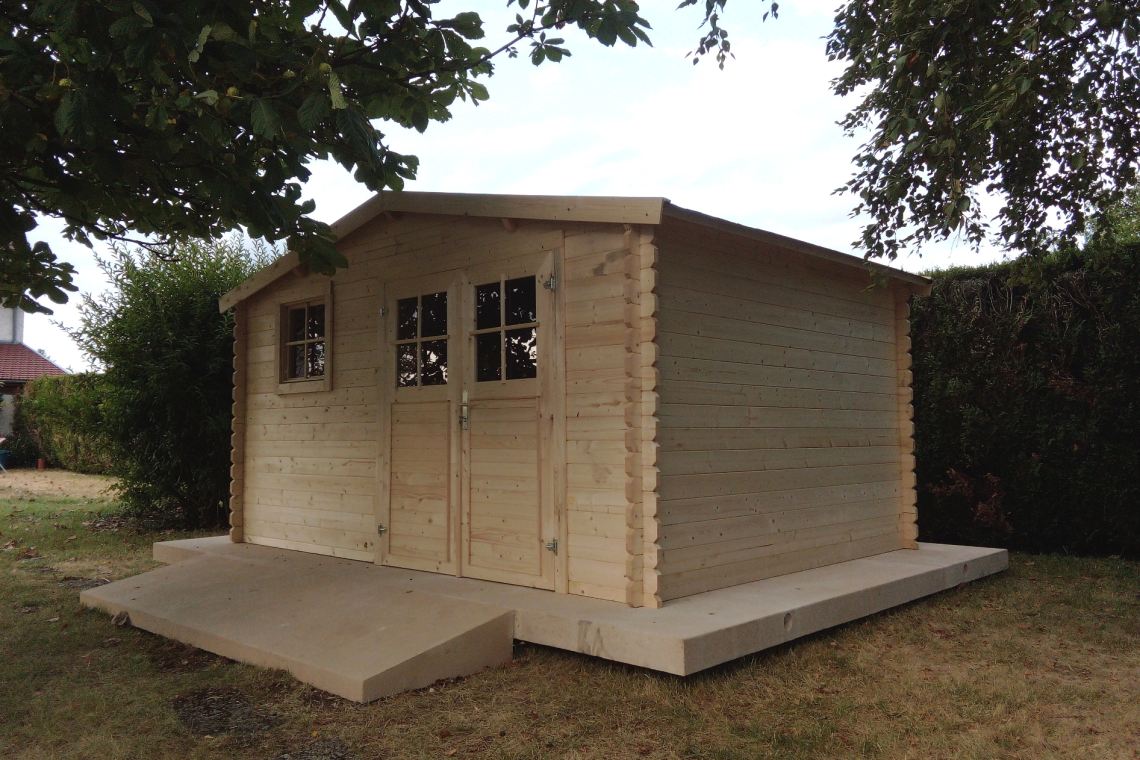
x: 434, y: 318
x: 406, y: 365
x: 317, y: 359
x: 521, y: 301
x: 295, y: 362
x: 486, y: 306
x: 296, y: 329
x: 522, y: 354
x: 488, y: 357
x: 316, y: 327
x: 433, y: 362
x: 407, y: 315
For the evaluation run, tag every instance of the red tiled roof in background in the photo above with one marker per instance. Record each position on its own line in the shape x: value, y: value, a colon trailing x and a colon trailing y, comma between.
x: 19, y: 363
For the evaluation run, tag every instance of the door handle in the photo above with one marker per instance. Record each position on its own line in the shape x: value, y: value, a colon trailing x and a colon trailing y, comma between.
x: 463, y: 411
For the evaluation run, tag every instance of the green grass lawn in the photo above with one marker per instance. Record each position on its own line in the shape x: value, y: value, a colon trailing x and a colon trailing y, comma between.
x: 1039, y: 662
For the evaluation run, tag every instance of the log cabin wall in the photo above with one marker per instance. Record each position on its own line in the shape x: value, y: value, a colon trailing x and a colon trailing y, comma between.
x: 311, y: 466
x: 784, y: 415
x: 310, y: 457
x: 603, y: 408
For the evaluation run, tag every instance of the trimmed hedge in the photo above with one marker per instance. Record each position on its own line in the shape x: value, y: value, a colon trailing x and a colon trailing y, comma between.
x: 167, y: 382
x: 59, y: 418
x: 1027, y: 404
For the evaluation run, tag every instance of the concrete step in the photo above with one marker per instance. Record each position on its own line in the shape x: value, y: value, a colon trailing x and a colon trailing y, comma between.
x: 313, y: 620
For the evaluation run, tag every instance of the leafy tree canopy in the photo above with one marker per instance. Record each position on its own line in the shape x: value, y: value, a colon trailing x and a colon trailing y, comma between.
x: 1036, y: 102
x: 158, y: 121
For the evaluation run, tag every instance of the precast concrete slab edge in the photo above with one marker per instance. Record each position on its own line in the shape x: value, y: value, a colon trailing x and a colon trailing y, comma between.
x: 169, y: 552
x: 620, y: 643
x: 483, y: 646
x: 334, y: 683
x: 717, y: 647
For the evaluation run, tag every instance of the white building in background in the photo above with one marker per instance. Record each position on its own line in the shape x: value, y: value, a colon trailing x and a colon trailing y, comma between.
x: 19, y: 364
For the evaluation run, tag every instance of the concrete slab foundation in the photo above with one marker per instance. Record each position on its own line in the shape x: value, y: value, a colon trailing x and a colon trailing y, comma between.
x: 362, y: 631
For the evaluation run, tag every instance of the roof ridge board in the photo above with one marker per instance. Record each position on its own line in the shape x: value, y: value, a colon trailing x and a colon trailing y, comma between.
x: 562, y: 208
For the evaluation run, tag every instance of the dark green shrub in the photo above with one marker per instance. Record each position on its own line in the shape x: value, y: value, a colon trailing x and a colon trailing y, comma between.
x: 1027, y: 404
x: 60, y: 419
x: 167, y: 363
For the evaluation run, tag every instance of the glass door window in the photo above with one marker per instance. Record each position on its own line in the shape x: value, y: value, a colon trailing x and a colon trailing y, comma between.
x: 506, y: 330
x: 421, y: 340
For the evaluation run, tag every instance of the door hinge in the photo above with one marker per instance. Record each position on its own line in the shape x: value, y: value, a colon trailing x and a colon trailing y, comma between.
x: 552, y: 283
x: 552, y: 546
x: 463, y: 407
x: 381, y: 529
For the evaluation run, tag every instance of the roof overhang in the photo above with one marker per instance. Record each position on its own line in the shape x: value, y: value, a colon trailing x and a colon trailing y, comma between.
x: 771, y: 238
x: 601, y: 209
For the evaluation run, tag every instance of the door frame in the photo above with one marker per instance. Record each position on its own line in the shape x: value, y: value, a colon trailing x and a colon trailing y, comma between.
x: 451, y: 282
x: 551, y: 398
x: 544, y: 265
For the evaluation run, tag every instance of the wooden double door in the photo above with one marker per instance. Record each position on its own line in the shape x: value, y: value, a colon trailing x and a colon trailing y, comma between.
x: 468, y: 375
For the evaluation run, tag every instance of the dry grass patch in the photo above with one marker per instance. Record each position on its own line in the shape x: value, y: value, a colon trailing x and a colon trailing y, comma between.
x: 21, y: 483
x: 1040, y: 662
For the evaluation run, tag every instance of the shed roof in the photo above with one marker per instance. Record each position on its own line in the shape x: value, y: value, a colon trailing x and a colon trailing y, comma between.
x: 617, y: 210
x: 19, y: 364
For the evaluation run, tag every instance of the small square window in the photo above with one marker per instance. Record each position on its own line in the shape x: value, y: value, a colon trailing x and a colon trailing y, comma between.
x: 407, y: 370
x: 434, y: 319
x: 488, y: 356
x: 487, y: 306
x: 304, y: 341
x: 433, y: 362
x: 407, y: 318
x: 521, y: 301
x: 522, y: 354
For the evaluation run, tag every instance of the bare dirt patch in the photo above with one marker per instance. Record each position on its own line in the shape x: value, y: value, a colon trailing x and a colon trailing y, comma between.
x: 112, y: 523
x: 328, y: 749
x: 175, y: 657
x: 221, y: 712
x: 81, y: 584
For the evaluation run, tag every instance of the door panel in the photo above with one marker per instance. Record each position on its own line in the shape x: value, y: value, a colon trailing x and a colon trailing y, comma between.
x: 419, y: 507
x: 468, y: 489
x: 419, y: 526
x: 505, y: 529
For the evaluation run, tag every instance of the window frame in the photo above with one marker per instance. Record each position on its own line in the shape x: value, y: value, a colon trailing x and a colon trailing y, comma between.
x: 503, y: 328
x: 420, y: 286
x: 420, y: 339
x: 286, y: 384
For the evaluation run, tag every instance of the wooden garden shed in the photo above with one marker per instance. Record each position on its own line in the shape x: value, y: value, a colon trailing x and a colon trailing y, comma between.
x: 610, y: 397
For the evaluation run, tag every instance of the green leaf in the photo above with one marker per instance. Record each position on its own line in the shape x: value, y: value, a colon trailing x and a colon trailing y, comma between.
x: 196, y: 53
x: 263, y: 118
x: 313, y: 111
x: 607, y: 32
x: 335, y: 94
x: 223, y: 32
x: 142, y: 12
x: 478, y: 91
x: 342, y: 15
x: 469, y: 25
x: 126, y: 26
x: 419, y: 116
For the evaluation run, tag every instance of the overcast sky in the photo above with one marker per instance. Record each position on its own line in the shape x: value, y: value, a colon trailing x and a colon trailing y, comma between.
x: 756, y: 143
